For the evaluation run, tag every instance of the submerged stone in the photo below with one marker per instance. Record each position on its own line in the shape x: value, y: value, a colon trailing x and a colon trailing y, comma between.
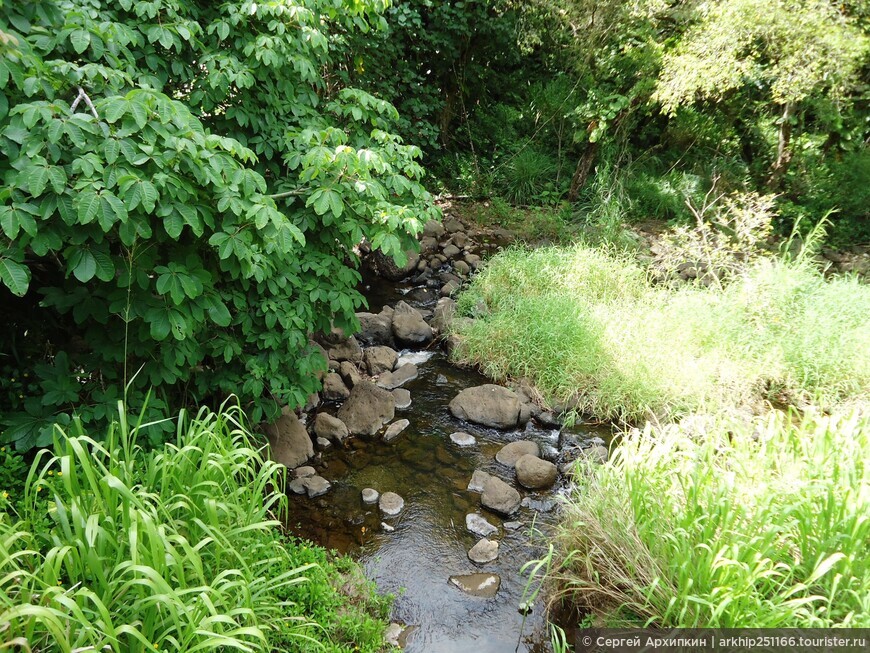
x: 370, y: 495
x: 462, y: 439
x: 395, y: 429
x: 482, y: 585
x: 479, y: 525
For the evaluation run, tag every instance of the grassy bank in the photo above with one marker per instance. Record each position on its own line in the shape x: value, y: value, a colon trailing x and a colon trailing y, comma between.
x: 112, y: 548
x: 733, y: 527
x: 587, y: 327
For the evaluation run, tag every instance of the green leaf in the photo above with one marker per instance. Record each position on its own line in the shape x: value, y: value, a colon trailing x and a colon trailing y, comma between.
x: 149, y: 196
x: 105, y: 266
x: 15, y: 276
x: 83, y: 265
x: 116, y: 107
x: 57, y: 177
x: 88, y: 207
x: 80, y: 40
x: 173, y: 224
x: 111, y: 150
x: 9, y: 221
x: 159, y: 325
x: 219, y: 313
x: 37, y: 178
x: 140, y: 113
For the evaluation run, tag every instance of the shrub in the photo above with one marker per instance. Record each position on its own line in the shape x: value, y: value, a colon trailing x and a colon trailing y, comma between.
x: 181, y: 195
x: 738, y: 525
x: 598, y: 335
x: 178, y: 549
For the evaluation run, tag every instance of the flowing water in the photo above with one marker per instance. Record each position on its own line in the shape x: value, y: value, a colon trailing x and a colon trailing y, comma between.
x: 418, y: 551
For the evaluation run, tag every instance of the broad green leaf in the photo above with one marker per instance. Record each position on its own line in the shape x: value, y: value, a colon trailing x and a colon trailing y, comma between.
x: 88, y: 207
x: 219, y: 313
x: 37, y: 178
x: 15, y: 276
x: 105, y: 266
x: 173, y: 224
x: 159, y: 326
x: 149, y: 196
x: 83, y: 265
x: 80, y: 39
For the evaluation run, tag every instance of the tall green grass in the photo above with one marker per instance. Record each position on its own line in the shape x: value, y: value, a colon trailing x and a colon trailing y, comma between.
x: 177, y: 549
x: 587, y: 327
x: 733, y: 526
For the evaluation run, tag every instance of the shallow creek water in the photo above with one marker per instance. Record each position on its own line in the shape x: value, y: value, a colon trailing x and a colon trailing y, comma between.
x: 430, y: 542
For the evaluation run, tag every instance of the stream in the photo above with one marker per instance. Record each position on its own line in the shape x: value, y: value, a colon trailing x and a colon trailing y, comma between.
x: 414, y: 554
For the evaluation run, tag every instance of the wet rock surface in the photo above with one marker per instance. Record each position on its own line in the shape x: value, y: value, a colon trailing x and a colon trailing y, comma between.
x: 479, y: 525
x: 500, y: 497
x: 289, y: 443
x: 512, y: 452
x: 367, y: 409
x: 483, y: 552
x: 489, y: 405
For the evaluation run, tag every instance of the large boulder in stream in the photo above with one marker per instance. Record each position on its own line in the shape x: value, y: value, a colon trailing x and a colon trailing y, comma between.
x: 330, y: 428
x: 386, y: 267
x: 375, y: 329
x: 534, y: 473
x: 367, y: 409
x: 380, y: 359
x: 500, y: 497
x: 513, y: 451
x: 488, y: 404
x: 289, y: 443
x: 409, y: 326
x: 349, y: 350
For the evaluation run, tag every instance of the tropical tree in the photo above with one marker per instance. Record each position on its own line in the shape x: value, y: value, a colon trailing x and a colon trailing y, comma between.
x: 183, y: 184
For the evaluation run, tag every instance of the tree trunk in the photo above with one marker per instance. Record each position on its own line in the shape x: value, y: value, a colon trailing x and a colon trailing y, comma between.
x: 783, y: 150
x: 581, y: 173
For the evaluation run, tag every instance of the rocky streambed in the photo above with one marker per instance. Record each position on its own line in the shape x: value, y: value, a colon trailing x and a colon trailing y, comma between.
x: 442, y: 484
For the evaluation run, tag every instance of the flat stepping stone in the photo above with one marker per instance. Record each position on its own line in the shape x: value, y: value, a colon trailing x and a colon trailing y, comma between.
x: 478, y: 481
x: 395, y: 429
x: 370, y: 495
x: 297, y: 486
x: 403, y: 397
x: 391, y: 504
x: 479, y: 525
x: 303, y: 472
x: 482, y: 585
x: 484, y: 551
x: 316, y: 486
x: 511, y: 453
x: 462, y: 439
x: 399, y: 377
x: 513, y: 525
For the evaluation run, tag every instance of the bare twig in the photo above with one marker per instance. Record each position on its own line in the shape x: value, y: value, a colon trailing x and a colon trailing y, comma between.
x: 84, y: 96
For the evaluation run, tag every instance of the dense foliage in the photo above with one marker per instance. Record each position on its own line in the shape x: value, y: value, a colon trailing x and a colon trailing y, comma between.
x: 628, y: 109
x: 177, y: 549
x: 726, y: 525
x: 183, y: 186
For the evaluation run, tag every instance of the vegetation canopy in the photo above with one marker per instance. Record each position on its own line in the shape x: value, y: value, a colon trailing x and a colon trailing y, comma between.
x: 183, y: 184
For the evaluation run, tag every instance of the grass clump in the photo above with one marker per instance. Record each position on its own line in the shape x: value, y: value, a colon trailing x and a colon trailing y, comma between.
x: 764, y: 525
x: 178, y: 549
x: 595, y: 333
